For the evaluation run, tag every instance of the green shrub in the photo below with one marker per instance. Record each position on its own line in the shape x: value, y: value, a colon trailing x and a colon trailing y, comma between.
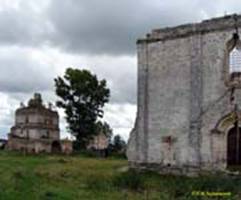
x: 98, y: 183
x: 117, y: 155
x: 129, y: 180
x: 85, y: 153
x: 63, y: 161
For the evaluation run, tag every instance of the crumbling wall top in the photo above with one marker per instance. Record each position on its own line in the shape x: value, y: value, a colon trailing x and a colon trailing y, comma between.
x: 35, y: 105
x: 211, y: 25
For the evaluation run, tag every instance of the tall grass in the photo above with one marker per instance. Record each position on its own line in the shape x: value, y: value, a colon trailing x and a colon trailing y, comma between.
x: 82, y: 177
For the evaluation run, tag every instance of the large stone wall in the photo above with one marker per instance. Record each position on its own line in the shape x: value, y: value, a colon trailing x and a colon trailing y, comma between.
x: 182, y: 94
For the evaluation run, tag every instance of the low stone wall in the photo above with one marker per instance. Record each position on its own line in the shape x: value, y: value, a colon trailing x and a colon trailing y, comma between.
x: 38, y: 145
x: 29, y: 146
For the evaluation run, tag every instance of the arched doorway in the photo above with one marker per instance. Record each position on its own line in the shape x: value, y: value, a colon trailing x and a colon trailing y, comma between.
x: 225, y: 145
x: 56, y: 147
x: 234, y: 146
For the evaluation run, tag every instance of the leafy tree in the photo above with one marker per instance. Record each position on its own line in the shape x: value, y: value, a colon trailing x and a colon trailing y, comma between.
x: 119, y: 144
x: 82, y: 96
x: 104, y: 127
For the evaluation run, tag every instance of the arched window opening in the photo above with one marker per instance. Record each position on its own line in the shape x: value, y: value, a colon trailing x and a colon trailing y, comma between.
x: 235, y: 58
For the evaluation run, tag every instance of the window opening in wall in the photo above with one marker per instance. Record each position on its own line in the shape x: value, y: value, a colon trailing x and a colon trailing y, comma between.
x: 26, y: 120
x: 27, y: 133
x: 235, y: 58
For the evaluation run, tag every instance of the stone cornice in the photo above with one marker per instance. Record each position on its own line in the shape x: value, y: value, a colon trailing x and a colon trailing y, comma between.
x: 216, y: 24
x: 36, y: 126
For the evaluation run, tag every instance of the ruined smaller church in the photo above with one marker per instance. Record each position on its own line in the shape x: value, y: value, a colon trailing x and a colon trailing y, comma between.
x: 36, y: 129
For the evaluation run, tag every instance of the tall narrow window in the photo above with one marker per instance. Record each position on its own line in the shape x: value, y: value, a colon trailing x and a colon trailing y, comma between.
x: 232, y: 59
x: 26, y: 120
x: 235, y: 60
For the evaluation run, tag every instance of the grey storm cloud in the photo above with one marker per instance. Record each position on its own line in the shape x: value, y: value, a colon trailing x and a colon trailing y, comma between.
x: 111, y: 27
x: 23, y: 25
x: 124, y: 86
x: 121, y: 75
x: 20, y: 73
x: 91, y: 27
x: 99, y: 27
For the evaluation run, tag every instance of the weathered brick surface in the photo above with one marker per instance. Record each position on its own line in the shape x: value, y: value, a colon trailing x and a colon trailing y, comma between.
x: 36, y: 129
x: 182, y: 93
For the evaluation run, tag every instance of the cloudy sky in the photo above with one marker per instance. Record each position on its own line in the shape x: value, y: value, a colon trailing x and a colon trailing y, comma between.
x: 40, y: 39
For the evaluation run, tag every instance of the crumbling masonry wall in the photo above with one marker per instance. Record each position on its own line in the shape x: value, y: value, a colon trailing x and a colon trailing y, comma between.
x: 182, y: 96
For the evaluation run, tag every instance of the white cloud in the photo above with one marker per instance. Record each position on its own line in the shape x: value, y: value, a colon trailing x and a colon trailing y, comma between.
x: 7, y: 107
x: 121, y: 118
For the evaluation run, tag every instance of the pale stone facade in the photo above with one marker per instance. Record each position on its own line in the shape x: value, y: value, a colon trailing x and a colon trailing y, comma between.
x: 99, y: 142
x: 187, y: 98
x: 66, y: 146
x: 36, y: 129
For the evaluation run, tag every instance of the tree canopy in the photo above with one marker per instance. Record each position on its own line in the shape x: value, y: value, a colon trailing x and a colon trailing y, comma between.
x: 104, y: 127
x: 119, y: 144
x: 82, y: 96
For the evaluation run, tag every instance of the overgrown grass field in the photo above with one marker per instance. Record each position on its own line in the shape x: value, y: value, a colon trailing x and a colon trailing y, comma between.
x: 58, y: 177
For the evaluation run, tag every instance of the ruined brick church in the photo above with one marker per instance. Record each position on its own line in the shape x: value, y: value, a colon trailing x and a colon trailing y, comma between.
x: 189, y: 98
x: 36, y: 129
